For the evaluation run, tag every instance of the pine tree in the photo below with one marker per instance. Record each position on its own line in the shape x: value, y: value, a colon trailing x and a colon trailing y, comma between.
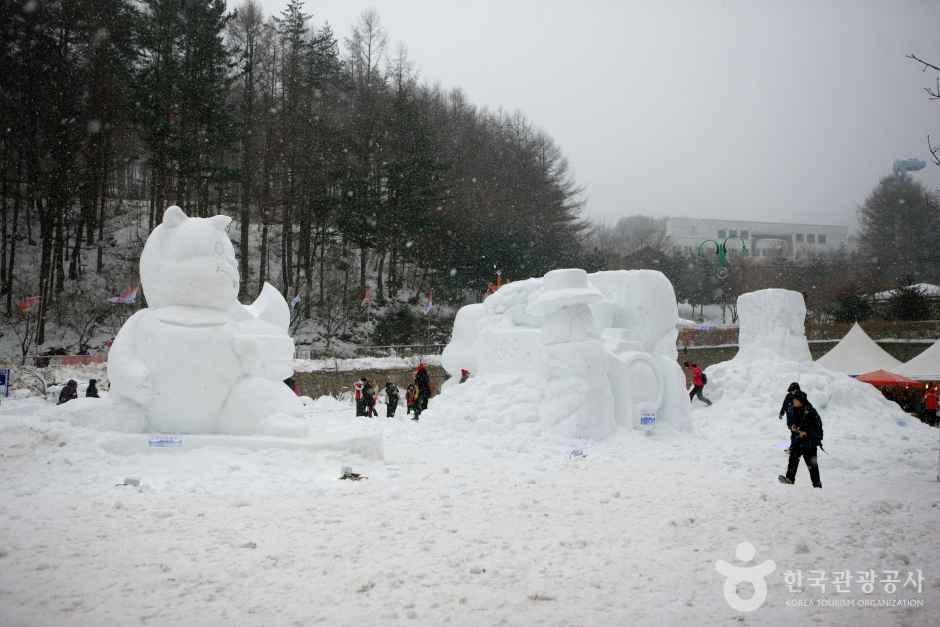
x: 900, y: 226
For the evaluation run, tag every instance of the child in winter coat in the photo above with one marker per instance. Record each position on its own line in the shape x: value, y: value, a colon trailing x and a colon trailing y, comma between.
x: 368, y: 400
x: 410, y: 397
x: 92, y: 390
x: 423, y: 388
x: 698, y: 384
x: 69, y: 392
x: 357, y: 393
x: 391, y: 399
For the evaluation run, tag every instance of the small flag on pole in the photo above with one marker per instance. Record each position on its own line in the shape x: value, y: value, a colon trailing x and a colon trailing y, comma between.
x: 127, y: 297
x: 430, y: 303
x: 295, y: 301
x: 28, y: 303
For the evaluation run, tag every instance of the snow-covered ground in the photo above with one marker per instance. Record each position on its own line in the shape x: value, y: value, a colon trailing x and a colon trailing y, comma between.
x: 461, y: 526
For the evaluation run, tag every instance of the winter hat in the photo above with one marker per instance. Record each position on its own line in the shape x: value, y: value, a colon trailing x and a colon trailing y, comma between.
x: 794, y: 387
x: 563, y: 288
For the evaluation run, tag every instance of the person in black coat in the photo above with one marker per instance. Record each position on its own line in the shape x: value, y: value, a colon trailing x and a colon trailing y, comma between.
x: 69, y: 392
x: 92, y: 390
x: 423, y: 387
x: 788, y: 400
x: 368, y: 399
x: 391, y: 399
x: 806, y: 434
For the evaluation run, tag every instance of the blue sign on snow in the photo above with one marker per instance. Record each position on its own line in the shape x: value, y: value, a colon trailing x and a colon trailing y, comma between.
x: 165, y: 442
x: 5, y: 376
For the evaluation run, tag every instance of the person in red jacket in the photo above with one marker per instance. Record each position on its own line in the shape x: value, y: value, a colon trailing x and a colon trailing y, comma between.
x: 930, y: 406
x: 698, y: 383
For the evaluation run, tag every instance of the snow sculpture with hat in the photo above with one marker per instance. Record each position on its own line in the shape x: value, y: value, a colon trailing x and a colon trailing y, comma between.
x: 638, y: 319
x: 578, y: 398
x: 196, y: 360
x: 599, y: 348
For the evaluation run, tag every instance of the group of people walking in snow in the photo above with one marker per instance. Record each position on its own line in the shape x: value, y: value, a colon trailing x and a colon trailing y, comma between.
x: 803, y: 422
x: 69, y: 391
x: 416, y: 395
x: 806, y: 434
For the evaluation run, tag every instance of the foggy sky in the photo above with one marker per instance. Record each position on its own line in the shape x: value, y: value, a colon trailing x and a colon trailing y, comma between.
x: 768, y: 110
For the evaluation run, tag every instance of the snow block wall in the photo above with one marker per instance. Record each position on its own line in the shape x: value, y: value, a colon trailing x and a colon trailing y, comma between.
x: 196, y: 360
x: 579, y: 354
x: 772, y: 325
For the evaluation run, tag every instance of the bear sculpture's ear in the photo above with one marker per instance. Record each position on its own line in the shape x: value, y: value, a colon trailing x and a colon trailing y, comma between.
x: 220, y: 222
x: 173, y: 216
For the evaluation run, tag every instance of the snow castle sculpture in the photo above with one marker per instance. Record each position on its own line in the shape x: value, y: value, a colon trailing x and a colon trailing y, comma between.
x: 196, y: 360
x: 599, y: 350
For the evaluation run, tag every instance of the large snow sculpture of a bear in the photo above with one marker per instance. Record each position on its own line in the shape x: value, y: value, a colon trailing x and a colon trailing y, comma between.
x: 196, y: 360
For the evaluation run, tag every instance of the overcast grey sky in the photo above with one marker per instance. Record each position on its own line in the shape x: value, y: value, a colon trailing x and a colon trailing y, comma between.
x: 749, y: 109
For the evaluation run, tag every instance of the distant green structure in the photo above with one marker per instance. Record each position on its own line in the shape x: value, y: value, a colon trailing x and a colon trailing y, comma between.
x: 721, y: 249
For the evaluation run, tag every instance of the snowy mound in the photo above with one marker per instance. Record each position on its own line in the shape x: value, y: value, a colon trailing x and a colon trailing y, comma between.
x: 765, y: 382
x: 748, y: 390
x: 573, y: 354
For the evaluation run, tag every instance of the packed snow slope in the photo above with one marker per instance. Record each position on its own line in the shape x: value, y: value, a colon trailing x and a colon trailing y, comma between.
x: 456, y: 527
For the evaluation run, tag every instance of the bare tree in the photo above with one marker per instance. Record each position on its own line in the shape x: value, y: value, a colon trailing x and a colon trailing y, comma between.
x: 934, y: 94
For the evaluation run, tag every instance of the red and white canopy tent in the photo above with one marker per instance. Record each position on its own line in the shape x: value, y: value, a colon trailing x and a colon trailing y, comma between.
x: 883, y: 378
x: 924, y: 367
x: 857, y: 353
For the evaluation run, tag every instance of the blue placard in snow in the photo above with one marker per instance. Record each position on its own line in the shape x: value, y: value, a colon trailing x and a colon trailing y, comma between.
x: 165, y: 442
x: 647, y: 420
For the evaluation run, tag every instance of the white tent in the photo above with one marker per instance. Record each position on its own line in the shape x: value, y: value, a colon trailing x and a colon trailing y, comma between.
x: 857, y: 354
x: 924, y: 367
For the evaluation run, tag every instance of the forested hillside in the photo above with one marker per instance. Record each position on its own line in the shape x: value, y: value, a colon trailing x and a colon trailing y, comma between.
x: 350, y: 179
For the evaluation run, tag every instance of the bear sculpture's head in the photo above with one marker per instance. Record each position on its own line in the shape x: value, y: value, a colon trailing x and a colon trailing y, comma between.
x: 189, y: 261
